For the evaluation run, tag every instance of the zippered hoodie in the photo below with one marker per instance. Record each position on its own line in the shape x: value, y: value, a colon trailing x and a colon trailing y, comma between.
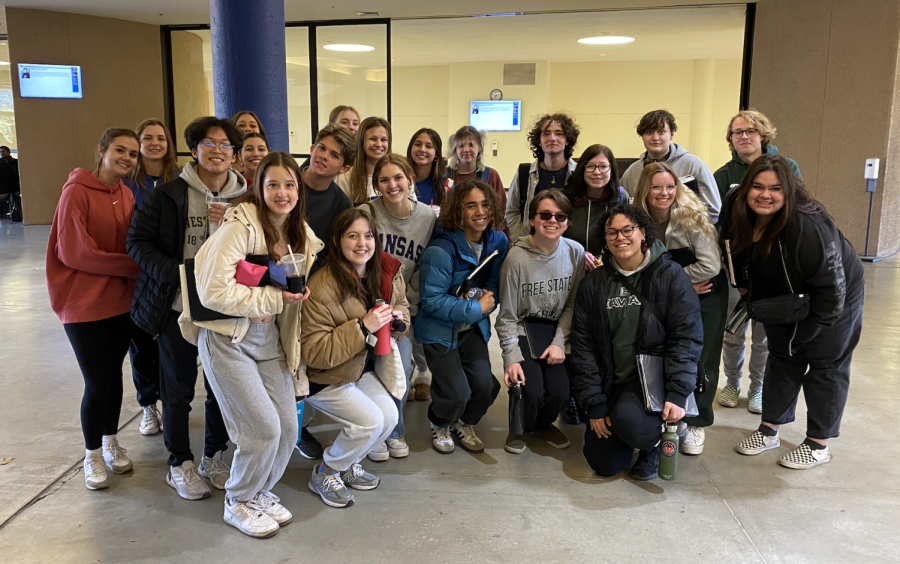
x: 89, y: 274
x: 584, y: 223
x: 684, y: 164
x: 535, y: 284
x: 733, y: 172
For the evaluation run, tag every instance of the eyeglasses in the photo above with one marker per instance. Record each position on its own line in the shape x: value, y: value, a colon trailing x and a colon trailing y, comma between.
x: 613, y: 234
x: 560, y: 217
x: 593, y: 167
x: 223, y: 146
x: 738, y: 133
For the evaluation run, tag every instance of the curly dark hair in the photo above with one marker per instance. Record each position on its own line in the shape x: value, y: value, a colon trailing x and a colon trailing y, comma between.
x: 640, y: 218
x: 452, y: 211
x: 569, y: 127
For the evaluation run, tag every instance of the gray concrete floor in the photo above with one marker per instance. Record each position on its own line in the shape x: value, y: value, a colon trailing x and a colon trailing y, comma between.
x: 543, y: 506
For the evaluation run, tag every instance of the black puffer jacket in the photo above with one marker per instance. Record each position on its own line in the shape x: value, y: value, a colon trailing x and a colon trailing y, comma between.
x: 156, y: 242
x: 679, y: 337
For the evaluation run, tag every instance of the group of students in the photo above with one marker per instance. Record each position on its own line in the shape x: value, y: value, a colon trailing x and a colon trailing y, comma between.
x: 588, y: 269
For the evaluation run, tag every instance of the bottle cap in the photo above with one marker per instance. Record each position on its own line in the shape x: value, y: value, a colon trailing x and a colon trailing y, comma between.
x: 672, y: 427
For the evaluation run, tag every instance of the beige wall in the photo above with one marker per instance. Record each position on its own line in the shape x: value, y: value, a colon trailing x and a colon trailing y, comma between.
x: 607, y: 111
x: 189, y: 83
x: 825, y: 72
x: 122, y: 74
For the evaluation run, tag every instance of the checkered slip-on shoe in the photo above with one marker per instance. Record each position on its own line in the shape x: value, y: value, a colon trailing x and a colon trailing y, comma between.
x: 757, y: 443
x: 804, y: 458
x: 755, y: 403
x: 728, y: 397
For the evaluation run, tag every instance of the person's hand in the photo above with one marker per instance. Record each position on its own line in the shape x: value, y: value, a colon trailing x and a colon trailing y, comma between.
x: 487, y: 302
x: 554, y: 355
x: 513, y: 374
x: 589, y: 261
x: 602, y: 427
x: 672, y: 412
x: 216, y: 213
x: 703, y: 287
x: 377, y: 318
x: 290, y: 298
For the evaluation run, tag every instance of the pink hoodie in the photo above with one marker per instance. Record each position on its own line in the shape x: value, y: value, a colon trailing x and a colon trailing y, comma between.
x: 89, y: 274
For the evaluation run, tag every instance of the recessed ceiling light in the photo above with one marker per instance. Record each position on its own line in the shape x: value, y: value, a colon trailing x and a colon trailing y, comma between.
x: 606, y: 40
x: 348, y: 47
x: 364, y: 14
x: 4, y: 63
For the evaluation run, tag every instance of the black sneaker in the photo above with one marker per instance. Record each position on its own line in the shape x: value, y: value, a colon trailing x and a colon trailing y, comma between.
x: 569, y: 414
x: 308, y: 446
x: 647, y: 465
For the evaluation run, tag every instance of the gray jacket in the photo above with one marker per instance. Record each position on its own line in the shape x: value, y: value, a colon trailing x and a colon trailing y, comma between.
x: 706, y: 249
x: 535, y: 284
x: 684, y: 164
x: 514, y: 215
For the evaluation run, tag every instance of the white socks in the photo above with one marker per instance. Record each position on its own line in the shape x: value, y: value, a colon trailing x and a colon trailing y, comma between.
x: 95, y: 453
x: 109, y: 440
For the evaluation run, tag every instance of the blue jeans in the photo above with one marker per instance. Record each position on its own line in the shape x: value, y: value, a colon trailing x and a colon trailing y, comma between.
x: 406, y: 350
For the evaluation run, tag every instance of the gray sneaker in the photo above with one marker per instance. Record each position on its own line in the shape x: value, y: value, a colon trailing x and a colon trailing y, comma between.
x: 515, y: 444
x: 187, y: 482
x: 358, y: 479
x: 330, y: 488
x: 215, y: 469
x: 466, y: 436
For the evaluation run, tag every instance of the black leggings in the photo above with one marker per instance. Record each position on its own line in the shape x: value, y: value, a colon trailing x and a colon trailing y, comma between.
x: 546, y: 389
x: 632, y: 428
x: 100, y: 347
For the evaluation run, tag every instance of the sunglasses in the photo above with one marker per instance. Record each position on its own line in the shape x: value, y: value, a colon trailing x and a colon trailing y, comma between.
x: 560, y: 217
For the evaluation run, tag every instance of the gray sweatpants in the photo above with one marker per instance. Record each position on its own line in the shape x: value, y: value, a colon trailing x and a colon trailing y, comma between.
x: 734, y: 346
x: 366, y: 413
x: 252, y: 383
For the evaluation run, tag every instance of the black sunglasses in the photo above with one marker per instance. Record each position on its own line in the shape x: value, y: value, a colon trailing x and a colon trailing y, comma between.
x: 560, y: 217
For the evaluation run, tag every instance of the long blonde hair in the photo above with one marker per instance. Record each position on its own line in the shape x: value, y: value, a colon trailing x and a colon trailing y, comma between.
x: 359, y: 192
x: 688, y: 210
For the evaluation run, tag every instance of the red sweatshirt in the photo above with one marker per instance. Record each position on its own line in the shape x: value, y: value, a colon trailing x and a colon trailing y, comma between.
x: 89, y: 274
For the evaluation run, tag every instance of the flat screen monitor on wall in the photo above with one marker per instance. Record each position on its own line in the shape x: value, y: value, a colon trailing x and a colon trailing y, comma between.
x: 49, y: 81
x: 490, y: 115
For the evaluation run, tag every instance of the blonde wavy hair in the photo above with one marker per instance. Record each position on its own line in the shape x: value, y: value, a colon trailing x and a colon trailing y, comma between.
x: 462, y: 134
x: 758, y: 120
x: 688, y: 210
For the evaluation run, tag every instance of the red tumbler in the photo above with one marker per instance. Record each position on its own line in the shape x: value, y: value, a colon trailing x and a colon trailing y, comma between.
x: 383, y: 335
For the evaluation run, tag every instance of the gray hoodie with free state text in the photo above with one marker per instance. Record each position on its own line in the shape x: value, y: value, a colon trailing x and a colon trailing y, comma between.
x: 535, y: 284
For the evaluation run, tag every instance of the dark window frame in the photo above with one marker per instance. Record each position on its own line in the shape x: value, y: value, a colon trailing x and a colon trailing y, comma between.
x: 312, y: 26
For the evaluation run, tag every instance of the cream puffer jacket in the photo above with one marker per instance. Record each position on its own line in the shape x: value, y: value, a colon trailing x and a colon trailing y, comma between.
x: 241, y: 234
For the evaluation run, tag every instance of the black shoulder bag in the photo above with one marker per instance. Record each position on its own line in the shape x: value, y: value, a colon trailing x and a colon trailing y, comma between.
x: 780, y: 309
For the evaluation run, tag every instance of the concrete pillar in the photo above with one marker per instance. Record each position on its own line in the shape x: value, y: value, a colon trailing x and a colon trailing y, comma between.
x: 249, y: 63
x: 826, y: 73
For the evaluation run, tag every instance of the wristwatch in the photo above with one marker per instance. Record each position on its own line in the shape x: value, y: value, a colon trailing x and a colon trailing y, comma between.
x: 371, y: 340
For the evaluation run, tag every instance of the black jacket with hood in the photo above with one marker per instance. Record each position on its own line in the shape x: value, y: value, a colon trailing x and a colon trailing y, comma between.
x: 678, y: 337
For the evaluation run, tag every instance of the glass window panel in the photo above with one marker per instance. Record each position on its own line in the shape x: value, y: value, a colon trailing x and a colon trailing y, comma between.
x: 191, y: 80
x: 299, y: 116
x: 352, y: 78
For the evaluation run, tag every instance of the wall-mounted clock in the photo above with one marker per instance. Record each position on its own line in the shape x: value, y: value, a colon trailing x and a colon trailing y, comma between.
x: 496, y: 94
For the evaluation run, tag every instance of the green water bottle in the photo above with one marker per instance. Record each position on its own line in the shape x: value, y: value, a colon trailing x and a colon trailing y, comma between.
x: 668, y: 452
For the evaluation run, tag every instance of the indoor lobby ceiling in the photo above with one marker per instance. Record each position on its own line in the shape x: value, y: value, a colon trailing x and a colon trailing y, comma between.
x: 174, y: 12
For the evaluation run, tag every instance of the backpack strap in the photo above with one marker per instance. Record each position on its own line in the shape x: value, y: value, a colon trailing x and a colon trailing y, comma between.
x: 524, y: 173
x: 486, y: 174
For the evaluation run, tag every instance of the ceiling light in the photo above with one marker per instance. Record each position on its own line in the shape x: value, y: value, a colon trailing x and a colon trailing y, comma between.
x: 364, y: 14
x: 348, y: 47
x: 4, y: 63
x: 606, y: 40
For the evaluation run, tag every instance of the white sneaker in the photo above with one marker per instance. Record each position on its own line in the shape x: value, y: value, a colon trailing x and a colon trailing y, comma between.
x: 694, y: 437
x: 270, y: 504
x: 115, y: 458
x: 466, y: 436
x: 151, y: 423
x: 757, y: 443
x: 397, y: 448
x: 380, y: 453
x: 441, y: 439
x: 95, y: 477
x: 250, y: 518
x: 215, y: 469
x: 187, y: 482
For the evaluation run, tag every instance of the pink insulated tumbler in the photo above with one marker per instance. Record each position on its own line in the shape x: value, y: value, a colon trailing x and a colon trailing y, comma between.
x: 383, y: 335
